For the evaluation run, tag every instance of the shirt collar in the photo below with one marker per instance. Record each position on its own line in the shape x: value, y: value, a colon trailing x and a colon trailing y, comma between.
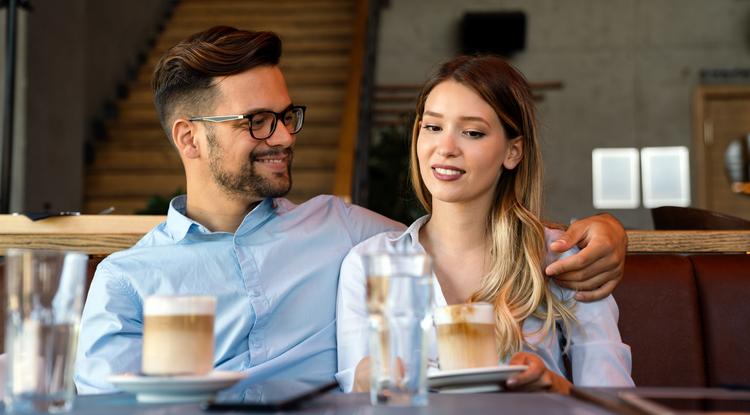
x: 411, y: 234
x: 178, y: 224
x: 257, y: 216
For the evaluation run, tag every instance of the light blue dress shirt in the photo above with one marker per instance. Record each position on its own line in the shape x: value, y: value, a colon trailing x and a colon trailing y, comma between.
x: 274, y: 280
x: 597, y: 354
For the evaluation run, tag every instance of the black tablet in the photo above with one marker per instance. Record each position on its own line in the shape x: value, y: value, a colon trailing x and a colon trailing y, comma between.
x: 272, y: 395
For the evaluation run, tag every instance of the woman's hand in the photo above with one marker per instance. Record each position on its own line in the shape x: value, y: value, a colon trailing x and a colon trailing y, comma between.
x: 537, y: 377
x: 595, y: 271
x: 362, y: 376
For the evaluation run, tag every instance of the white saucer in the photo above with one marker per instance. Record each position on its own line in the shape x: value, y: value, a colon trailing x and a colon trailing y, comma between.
x: 481, y: 379
x: 152, y: 389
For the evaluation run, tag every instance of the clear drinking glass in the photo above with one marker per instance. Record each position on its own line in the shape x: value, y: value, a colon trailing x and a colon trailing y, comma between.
x: 44, y: 298
x: 399, y: 301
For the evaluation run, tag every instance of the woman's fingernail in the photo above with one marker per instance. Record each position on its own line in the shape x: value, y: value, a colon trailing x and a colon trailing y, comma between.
x: 511, y: 382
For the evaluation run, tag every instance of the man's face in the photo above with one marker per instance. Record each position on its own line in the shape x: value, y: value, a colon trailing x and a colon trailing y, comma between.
x: 242, y: 166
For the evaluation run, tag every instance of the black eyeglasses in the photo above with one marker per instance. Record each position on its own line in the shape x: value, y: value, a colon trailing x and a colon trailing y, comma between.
x: 262, y: 124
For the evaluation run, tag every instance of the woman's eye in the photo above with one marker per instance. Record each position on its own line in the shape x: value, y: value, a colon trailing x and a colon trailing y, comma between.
x: 474, y: 134
x: 433, y: 128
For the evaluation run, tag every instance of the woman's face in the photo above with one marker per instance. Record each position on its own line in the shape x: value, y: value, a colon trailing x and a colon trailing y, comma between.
x: 462, y: 147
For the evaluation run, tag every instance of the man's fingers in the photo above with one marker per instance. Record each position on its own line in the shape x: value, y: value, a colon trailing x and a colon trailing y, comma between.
x: 562, y: 244
x: 534, y: 371
x: 582, y: 265
x: 590, y: 278
x: 598, y: 294
x: 543, y: 383
x: 569, y: 239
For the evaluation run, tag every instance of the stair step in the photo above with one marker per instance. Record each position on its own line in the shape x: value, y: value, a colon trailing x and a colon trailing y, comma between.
x: 163, y: 159
x: 129, y: 134
x: 128, y: 183
x: 249, y: 18
x: 287, y: 6
x: 124, y: 205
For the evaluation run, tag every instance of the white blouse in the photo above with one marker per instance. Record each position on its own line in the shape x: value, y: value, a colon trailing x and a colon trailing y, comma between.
x: 597, y: 354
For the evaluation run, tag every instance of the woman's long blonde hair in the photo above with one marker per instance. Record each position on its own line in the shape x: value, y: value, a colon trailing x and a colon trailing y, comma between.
x: 515, y: 283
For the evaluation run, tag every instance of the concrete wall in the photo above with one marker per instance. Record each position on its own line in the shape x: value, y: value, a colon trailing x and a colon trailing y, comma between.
x: 629, y: 68
x: 75, y: 54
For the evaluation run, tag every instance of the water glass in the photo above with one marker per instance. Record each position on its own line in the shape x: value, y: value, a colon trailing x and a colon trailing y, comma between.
x: 44, y: 298
x: 399, y: 301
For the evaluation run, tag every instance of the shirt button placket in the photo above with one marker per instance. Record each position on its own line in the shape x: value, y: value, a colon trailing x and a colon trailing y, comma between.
x: 254, y: 291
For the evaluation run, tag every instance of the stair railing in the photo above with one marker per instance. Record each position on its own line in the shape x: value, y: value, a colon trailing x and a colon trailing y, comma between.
x: 349, y: 143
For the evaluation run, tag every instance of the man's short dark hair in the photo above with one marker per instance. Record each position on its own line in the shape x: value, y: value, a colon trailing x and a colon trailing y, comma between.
x: 183, y: 77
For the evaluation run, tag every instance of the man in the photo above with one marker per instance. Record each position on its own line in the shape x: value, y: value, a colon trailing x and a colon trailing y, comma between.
x: 272, y: 266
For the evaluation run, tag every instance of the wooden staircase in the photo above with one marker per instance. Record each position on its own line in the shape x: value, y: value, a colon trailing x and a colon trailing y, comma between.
x: 136, y: 161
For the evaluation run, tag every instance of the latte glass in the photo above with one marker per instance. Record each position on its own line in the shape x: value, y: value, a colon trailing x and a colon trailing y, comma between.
x: 466, y: 336
x: 178, y: 335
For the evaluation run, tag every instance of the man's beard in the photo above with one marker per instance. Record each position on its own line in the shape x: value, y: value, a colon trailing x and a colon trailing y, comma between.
x: 247, y: 182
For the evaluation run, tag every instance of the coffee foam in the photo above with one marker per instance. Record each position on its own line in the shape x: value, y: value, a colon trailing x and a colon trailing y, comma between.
x: 179, y: 305
x: 477, y: 313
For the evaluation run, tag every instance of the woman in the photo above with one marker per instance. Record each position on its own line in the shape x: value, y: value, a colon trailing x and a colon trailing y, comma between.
x: 476, y: 168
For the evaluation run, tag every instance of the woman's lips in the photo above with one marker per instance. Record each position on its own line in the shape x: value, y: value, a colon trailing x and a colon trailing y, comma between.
x: 447, y: 173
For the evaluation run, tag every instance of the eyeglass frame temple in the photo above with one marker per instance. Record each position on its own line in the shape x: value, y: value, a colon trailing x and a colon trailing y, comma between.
x: 278, y: 116
x: 223, y: 118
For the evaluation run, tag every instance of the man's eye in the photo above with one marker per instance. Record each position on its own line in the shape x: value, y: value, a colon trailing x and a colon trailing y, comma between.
x: 260, y: 120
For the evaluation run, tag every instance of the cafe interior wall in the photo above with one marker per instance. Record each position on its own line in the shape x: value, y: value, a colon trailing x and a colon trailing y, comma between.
x: 71, y: 57
x: 628, y: 67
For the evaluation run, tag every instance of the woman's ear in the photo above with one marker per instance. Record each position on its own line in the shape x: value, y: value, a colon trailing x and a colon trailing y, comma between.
x: 185, y: 138
x: 514, y: 154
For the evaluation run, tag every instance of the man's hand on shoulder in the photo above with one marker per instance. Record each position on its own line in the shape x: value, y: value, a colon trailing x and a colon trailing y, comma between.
x: 598, y: 267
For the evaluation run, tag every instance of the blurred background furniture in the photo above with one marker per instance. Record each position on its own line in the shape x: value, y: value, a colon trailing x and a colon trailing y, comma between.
x: 686, y: 318
x: 685, y: 218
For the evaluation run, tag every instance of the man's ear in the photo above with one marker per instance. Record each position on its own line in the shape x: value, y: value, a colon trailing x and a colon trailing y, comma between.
x: 514, y: 154
x: 185, y: 138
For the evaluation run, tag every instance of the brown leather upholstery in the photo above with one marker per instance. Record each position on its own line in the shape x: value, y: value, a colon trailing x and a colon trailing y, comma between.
x: 660, y: 320
x: 724, y: 287
x: 686, y: 218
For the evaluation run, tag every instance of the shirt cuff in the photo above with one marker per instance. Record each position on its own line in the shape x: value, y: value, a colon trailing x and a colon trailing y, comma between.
x: 345, y: 378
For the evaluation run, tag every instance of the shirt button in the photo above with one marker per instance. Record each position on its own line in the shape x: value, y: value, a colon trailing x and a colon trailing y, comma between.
x: 255, y: 292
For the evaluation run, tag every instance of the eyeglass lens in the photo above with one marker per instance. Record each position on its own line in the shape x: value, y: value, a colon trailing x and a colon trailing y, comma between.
x: 263, y: 124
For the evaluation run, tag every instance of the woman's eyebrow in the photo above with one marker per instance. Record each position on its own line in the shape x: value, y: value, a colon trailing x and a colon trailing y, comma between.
x: 473, y: 118
x: 433, y: 114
